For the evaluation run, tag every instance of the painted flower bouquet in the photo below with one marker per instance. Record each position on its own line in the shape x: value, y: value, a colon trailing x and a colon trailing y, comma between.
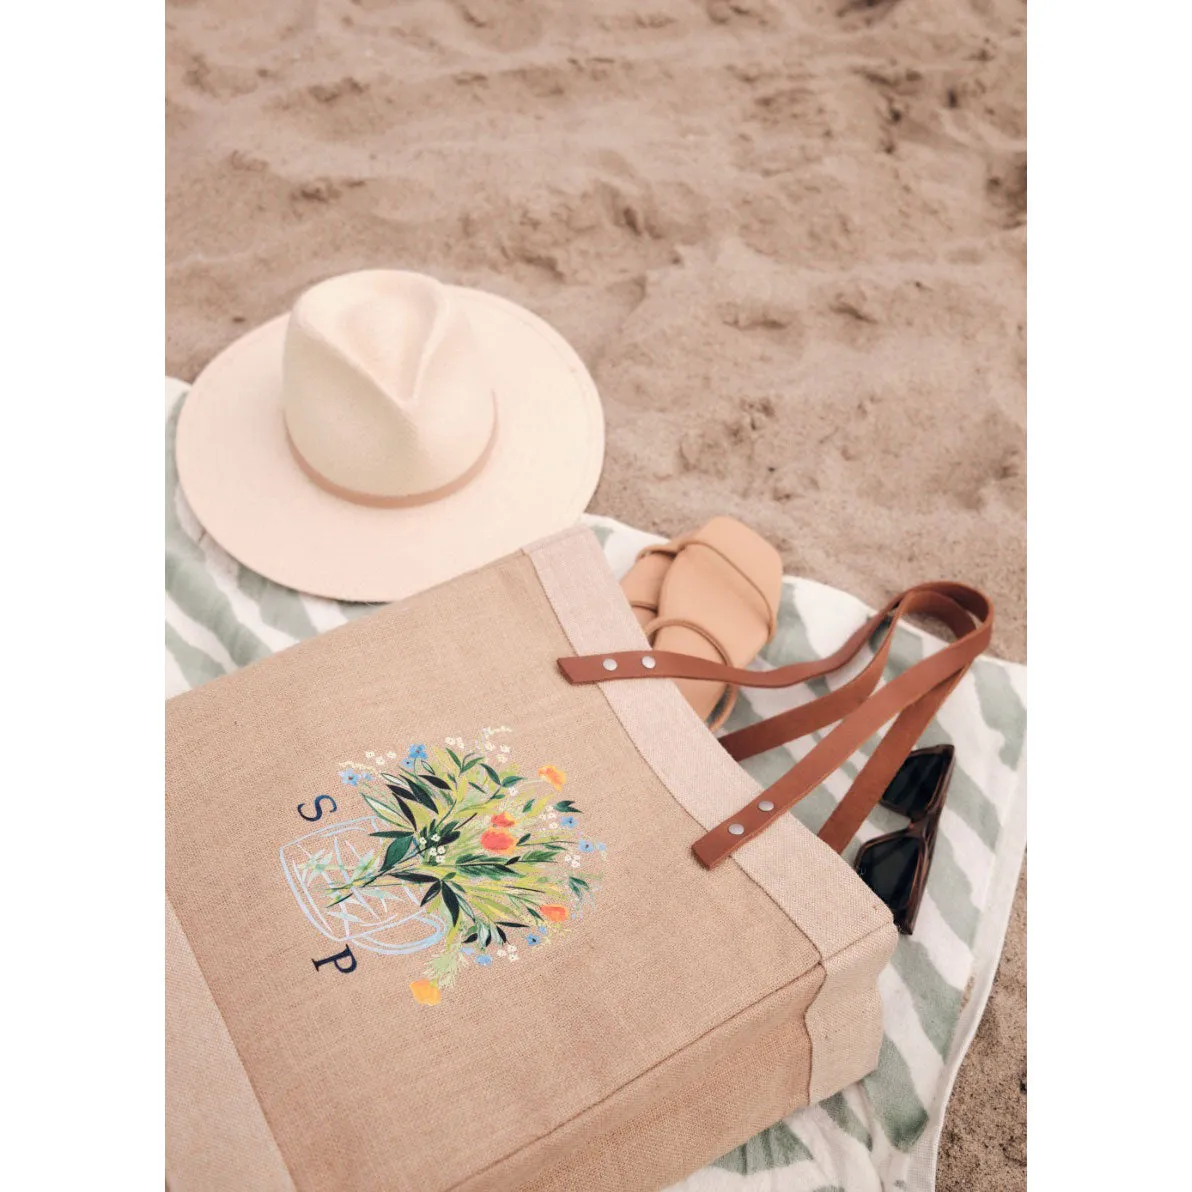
x: 497, y: 855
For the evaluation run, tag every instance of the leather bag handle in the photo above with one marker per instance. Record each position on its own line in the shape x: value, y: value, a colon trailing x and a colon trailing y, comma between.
x: 910, y: 701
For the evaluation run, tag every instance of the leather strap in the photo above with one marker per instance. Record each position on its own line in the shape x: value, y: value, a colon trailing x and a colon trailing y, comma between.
x: 910, y: 701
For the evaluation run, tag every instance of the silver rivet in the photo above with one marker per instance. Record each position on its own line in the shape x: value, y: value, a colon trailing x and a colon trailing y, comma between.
x: 610, y: 664
x: 649, y: 663
x: 736, y: 829
x: 765, y: 805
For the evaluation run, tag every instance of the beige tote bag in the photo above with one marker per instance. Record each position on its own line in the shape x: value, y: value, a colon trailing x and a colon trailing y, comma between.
x: 435, y: 921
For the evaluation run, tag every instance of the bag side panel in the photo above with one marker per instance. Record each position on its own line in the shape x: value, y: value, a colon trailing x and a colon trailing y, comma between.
x: 845, y: 1020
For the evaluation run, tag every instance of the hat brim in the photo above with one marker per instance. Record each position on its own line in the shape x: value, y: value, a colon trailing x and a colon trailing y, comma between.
x: 238, y: 475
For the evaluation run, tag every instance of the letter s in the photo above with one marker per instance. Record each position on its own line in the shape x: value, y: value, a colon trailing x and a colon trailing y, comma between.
x: 318, y: 815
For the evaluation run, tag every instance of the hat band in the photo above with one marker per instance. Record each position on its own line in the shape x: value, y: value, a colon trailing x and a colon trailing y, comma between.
x: 403, y: 502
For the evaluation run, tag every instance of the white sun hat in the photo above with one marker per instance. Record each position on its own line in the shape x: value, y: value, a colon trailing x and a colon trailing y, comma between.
x: 387, y: 434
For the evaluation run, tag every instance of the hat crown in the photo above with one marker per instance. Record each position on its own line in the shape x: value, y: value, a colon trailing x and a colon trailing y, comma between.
x: 385, y: 389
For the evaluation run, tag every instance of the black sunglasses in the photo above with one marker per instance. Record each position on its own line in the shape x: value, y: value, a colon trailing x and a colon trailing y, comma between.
x: 895, y: 866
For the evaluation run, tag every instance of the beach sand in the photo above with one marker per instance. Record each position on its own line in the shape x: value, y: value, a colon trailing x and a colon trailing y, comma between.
x: 787, y: 238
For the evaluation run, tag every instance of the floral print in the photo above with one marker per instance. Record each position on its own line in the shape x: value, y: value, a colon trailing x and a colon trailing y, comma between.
x: 426, y: 992
x: 489, y: 855
x: 554, y: 776
x: 497, y: 841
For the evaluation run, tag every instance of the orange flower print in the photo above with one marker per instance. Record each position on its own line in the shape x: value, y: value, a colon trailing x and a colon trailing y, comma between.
x: 502, y: 821
x: 496, y: 840
x: 554, y: 912
x: 426, y: 992
x: 554, y: 776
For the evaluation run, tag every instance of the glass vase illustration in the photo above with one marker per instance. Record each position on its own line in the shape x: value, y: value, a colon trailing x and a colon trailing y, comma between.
x: 321, y: 868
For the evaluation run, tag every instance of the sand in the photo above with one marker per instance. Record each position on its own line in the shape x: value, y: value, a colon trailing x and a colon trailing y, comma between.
x: 787, y: 238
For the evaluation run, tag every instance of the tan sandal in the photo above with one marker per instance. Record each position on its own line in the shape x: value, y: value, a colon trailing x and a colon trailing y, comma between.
x: 714, y: 594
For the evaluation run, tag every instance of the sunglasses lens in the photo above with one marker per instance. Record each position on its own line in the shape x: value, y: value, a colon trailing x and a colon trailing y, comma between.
x: 917, y: 780
x: 887, y: 867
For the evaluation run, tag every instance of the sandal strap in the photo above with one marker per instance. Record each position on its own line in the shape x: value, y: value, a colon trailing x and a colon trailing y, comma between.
x: 658, y: 548
x: 651, y: 629
x: 671, y: 548
x: 771, y: 611
x: 732, y: 690
x: 675, y: 545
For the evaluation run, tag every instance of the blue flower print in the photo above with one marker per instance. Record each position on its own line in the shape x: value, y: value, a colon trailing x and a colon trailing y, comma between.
x: 484, y: 959
x: 533, y: 939
x: 586, y: 846
x: 567, y: 821
x: 417, y: 754
x: 350, y: 777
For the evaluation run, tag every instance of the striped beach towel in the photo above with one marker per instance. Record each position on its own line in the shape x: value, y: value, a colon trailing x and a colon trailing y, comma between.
x: 883, y: 1132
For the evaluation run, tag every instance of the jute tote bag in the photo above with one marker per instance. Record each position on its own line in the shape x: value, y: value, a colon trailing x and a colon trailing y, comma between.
x: 445, y: 912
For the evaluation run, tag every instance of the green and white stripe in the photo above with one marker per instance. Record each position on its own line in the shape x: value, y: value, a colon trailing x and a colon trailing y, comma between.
x: 882, y: 1133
